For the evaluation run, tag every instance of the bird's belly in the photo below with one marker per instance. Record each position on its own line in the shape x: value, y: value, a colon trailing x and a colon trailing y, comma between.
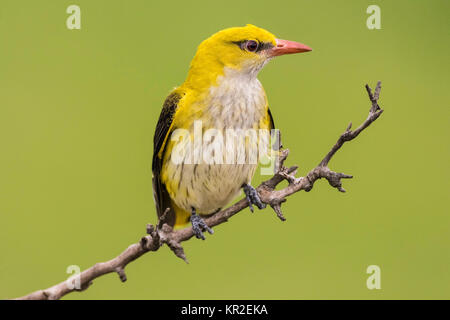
x: 208, y: 176
x: 208, y: 187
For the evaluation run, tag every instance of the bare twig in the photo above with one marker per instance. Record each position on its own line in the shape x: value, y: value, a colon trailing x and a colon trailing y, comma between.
x: 162, y: 233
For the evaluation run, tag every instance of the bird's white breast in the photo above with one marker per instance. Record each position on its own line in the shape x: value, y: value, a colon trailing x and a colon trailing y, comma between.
x: 238, y: 101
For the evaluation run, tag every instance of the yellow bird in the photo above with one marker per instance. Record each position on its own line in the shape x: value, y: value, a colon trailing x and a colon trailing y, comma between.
x: 221, y: 92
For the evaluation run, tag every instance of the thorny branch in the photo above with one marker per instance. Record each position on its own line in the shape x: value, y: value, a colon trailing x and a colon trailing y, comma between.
x: 162, y: 233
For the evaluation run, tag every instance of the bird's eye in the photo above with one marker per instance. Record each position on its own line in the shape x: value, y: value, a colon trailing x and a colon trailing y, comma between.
x: 251, y: 45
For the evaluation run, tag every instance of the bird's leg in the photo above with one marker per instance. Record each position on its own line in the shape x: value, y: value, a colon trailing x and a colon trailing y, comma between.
x: 199, y: 225
x: 252, y: 197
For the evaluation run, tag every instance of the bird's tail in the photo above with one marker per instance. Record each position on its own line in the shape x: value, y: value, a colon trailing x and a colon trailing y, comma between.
x: 181, y: 217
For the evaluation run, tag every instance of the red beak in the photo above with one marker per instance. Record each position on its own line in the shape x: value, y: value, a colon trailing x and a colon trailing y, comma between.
x: 288, y: 47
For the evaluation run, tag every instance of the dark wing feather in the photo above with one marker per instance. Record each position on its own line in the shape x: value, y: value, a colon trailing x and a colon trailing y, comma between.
x: 272, y: 123
x: 277, y: 145
x: 163, y: 128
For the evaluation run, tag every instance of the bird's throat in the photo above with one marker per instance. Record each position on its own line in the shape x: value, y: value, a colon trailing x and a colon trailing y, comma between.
x: 237, y: 100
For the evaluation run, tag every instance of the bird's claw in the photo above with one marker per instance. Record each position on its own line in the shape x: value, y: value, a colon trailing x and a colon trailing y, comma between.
x: 253, y: 197
x: 199, y: 225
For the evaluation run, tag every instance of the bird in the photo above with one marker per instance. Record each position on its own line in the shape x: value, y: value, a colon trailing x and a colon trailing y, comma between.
x: 221, y: 92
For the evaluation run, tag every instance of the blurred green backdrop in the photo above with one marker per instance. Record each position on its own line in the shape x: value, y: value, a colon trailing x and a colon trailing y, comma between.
x: 77, y: 114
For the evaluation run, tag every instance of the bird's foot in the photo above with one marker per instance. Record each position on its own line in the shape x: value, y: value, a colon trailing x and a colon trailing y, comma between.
x: 199, y: 225
x: 252, y: 197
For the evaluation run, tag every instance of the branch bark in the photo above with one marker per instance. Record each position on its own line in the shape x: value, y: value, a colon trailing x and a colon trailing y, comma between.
x: 162, y: 233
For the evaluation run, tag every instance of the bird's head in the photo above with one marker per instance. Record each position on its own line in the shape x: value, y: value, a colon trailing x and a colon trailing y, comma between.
x: 245, y: 49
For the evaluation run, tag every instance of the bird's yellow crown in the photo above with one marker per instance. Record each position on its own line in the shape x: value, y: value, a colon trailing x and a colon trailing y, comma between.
x: 237, y: 48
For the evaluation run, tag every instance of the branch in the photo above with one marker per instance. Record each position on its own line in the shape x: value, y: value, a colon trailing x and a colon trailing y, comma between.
x: 162, y: 233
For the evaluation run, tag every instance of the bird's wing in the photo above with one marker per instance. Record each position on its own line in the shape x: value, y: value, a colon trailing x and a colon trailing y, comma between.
x: 272, y: 123
x: 277, y: 144
x: 163, y: 129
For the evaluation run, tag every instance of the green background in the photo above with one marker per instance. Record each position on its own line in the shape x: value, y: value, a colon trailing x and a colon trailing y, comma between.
x: 77, y: 113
